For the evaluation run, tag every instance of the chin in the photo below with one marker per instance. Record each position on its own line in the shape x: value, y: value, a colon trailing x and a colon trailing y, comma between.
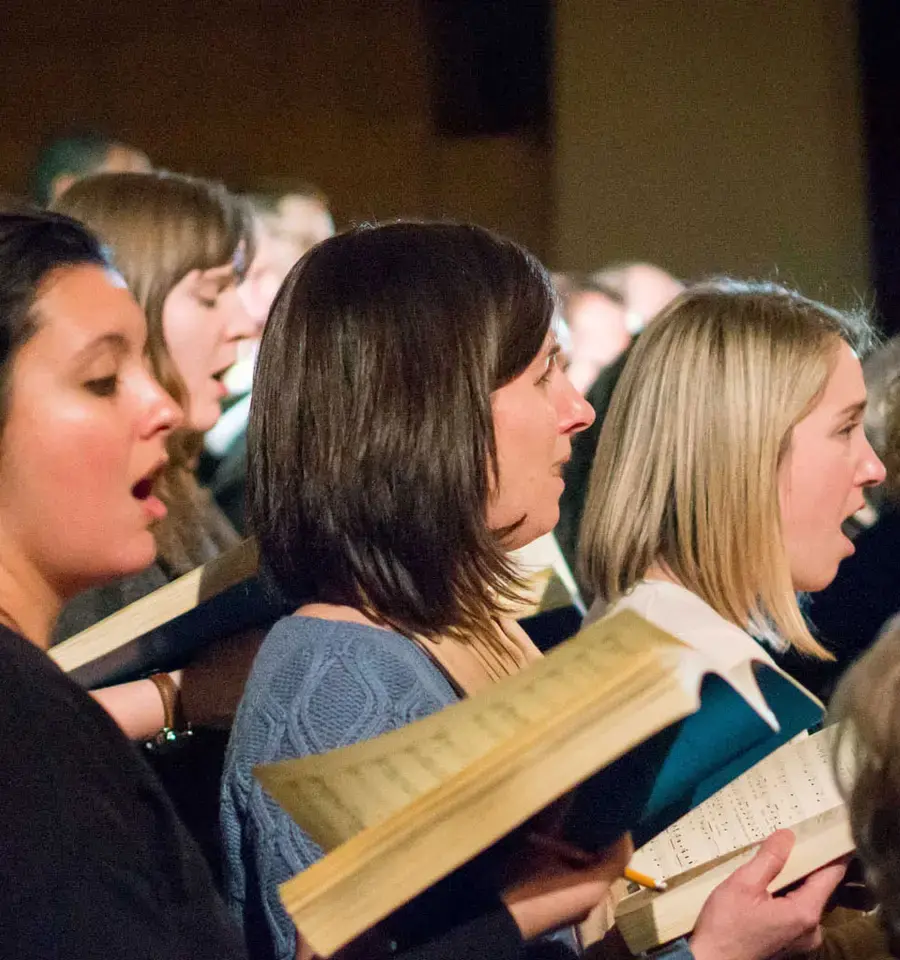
x: 528, y: 533
x: 206, y: 419
x: 816, y: 582
x: 135, y: 559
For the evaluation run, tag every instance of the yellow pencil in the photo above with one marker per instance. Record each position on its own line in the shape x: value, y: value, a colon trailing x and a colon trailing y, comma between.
x: 635, y: 876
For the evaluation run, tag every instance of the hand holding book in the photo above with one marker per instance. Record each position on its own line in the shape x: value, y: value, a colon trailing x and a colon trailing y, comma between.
x: 794, y: 788
x: 743, y: 921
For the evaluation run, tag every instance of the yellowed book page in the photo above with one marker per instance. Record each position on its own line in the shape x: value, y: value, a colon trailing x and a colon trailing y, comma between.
x: 787, y: 787
x: 372, y: 873
x: 603, y: 917
x: 334, y: 796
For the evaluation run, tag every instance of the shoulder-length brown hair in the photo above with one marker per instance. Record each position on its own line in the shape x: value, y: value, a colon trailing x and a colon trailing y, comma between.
x: 371, y: 440
x: 686, y: 468
x: 158, y: 227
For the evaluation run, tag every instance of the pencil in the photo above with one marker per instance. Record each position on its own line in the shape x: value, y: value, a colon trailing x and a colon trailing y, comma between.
x: 635, y: 876
x: 580, y: 858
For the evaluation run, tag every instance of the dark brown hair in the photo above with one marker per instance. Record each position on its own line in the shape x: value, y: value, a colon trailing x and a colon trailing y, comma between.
x: 371, y: 440
x: 33, y: 245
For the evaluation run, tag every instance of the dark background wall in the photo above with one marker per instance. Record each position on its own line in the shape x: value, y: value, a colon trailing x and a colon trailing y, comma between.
x: 880, y: 65
x: 263, y: 95
x: 710, y: 136
x: 713, y: 137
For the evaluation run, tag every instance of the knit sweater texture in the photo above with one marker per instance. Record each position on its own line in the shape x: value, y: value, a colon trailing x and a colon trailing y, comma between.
x: 316, y: 685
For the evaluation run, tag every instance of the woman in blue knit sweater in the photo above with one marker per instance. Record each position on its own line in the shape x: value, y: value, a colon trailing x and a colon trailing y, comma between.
x: 402, y: 371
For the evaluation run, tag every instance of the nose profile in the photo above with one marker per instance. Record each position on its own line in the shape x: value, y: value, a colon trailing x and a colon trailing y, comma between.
x: 239, y: 322
x: 576, y: 414
x: 161, y: 413
x: 873, y: 470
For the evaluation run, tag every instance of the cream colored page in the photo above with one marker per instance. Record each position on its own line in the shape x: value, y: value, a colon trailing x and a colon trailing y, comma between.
x: 335, y: 795
x: 791, y: 785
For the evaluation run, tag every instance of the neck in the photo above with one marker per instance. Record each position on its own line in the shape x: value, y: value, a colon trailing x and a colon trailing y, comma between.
x: 28, y: 604
x: 336, y: 611
x: 660, y: 571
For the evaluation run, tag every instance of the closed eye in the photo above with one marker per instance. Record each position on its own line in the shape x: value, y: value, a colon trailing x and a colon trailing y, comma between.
x: 103, y: 386
x: 552, y: 365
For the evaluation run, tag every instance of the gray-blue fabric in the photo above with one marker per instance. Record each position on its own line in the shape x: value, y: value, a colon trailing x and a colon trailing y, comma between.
x: 316, y: 685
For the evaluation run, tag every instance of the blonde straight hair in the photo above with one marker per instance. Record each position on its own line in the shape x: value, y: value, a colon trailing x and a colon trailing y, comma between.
x: 686, y: 468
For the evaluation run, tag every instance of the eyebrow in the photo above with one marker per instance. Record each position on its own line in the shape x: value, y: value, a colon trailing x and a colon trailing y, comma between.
x: 114, y: 341
x: 222, y: 274
x: 854, y: 410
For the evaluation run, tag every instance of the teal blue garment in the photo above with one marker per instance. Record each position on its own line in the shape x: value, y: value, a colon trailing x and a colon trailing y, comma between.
x: 719, y: 743
x: 655, y: 784
x: 658, y: 782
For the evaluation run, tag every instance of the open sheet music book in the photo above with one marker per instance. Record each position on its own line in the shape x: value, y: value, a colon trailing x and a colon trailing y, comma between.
x: 161, y: 631
x: 795, y: 787
x: 641, y: 724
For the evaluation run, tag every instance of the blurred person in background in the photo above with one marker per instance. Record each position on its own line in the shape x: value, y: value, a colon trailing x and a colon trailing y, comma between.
x: 604, y: 310
x: 63, y: 161
x: 644, y: 287
x: 286, y: 227
x: 866, y: 705
x: 642, y: 290
x: 594, y: 314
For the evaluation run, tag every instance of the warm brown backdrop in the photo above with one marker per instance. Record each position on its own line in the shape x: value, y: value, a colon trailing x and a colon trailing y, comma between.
x: 714, y: 136
x: 711, y: 135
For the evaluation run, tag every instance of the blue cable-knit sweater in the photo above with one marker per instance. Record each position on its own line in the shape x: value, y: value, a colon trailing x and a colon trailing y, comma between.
x: 315, y: 685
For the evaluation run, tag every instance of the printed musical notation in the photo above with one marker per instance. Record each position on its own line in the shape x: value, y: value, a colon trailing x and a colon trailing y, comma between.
x: 790, y: 786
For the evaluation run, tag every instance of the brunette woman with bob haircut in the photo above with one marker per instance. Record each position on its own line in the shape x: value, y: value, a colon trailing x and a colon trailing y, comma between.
x: 408, y: 426
x: 732, y: 453
x: 382, y: 355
